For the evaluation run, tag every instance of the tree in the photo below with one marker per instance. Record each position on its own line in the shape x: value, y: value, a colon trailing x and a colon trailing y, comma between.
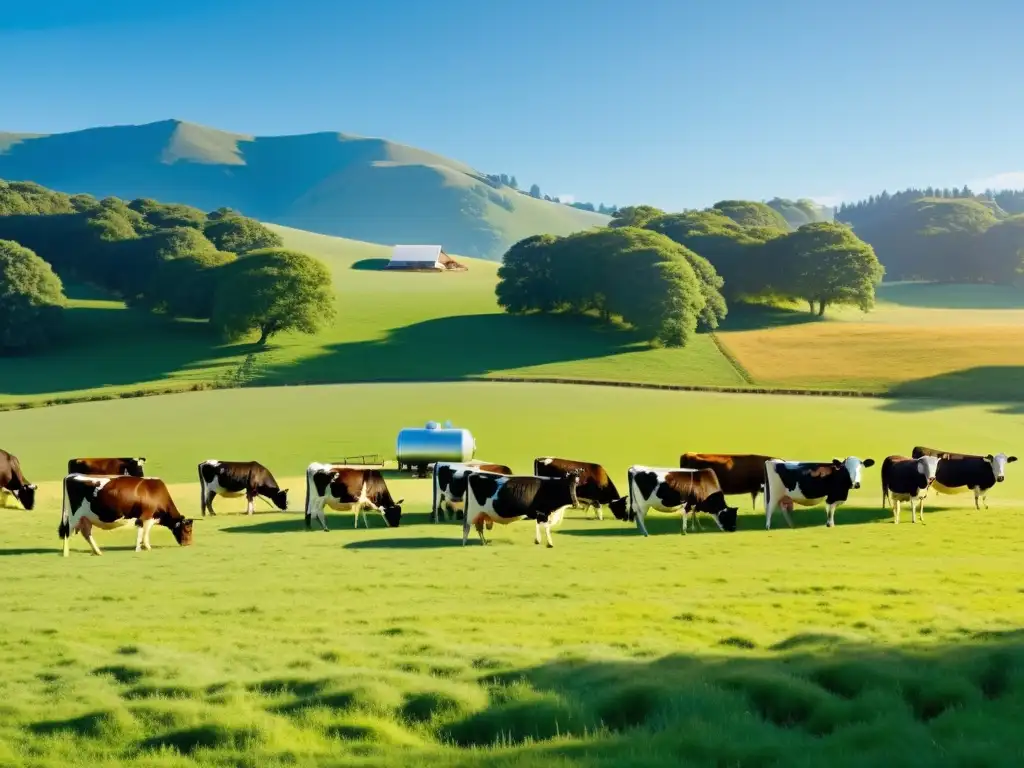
x: 750, y: 214
x: 826, y: 264
x: 31, y: 300
x: 535, y: 191
x: 187, y: 286
x: 513, y: 183
x: 524, y: 277
x: 239, y: 234
x: 634, y: 216
x: 272, y: 290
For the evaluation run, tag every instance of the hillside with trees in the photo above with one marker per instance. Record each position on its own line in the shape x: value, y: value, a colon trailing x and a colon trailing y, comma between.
x: 360, y: 188
x: 170, y: 259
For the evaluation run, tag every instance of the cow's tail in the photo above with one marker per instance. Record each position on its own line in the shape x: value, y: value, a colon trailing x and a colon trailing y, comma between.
x: 767, y: 488
x: 885, y: 486
x: 631, y: 484
x: 309, y: 494
x: 64, y: 529
x: 434, y: 511
x: 202, y: 491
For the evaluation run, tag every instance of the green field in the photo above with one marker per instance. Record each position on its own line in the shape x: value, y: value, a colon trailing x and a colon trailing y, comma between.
x: 264, y: 645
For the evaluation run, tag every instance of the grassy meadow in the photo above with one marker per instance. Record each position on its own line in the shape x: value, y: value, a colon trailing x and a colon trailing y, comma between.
x: 265, y: 645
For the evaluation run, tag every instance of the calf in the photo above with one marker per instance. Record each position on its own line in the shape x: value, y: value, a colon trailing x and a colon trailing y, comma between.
x: 808, y: 483
x: 907, y: 480
x: 450, y: 486
x: 505, y: 499
x: 232, y: 479
x: 344, y: 488
x: 595, y: 488
x: 115, y: 502
x: 736, y: 472
x: 130, y: 467
x: 671, y: 490
x: 962, y: 472
x: 13, y: 482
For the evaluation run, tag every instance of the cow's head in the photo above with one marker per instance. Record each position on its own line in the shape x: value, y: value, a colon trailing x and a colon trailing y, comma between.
x: 135, y: 467
x: 998, y: 464
x: 182, y: 530
x: 927, y: 466
x: 392, y: 513
x: 618, y: 508
x: 726, y: 518
x: 854, y: 468
x: 279, y: 498
x: 26, y: 495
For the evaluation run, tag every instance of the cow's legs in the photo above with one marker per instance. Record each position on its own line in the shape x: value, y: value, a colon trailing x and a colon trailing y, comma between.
x: 896, y: 511
x: 640, y: 514
x: 465, y: 530
x: 85, y: 528
x: 830, y: 514
x: 139, y: 534
x: 3, y: 498
x: 547, y: 532
x: 920, y: 509
x: 686, y: 512
x: 480, y: 530
x: 147, y: 528
x: 318, y: 511
x: 210, y: 496
x: 536, y: 532
x: 250, y: 505
x: 600, y: 513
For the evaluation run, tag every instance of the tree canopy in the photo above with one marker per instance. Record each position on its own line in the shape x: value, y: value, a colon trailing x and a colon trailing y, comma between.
x: 31, y: 300
x: 634, y: 216
x: 271, y: 291
x: 747, y: 213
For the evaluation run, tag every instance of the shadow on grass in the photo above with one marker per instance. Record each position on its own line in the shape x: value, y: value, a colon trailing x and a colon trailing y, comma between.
x: 486, y: 343
x: 408, y: 542
x: 755, y: 317
x: 1001, y: 386
x: 296, y: 523
x: 370, y: 265
x: 17, y: 552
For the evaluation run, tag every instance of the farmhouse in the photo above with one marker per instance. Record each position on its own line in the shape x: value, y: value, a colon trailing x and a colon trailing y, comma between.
x: 423, y: 258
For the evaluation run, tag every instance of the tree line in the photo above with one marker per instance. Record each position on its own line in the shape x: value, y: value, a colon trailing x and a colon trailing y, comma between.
x: 667, y: 275
x: 221, y: 267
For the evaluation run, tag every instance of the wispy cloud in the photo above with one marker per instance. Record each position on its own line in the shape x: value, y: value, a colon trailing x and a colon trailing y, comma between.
x: 566, y: 197
x: 828, y: 200
x: 1007, y: 180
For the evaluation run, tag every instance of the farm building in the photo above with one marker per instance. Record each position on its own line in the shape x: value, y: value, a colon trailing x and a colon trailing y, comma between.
x: 423, y: 258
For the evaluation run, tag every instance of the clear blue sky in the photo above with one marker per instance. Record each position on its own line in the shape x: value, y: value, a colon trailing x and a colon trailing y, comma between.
x: 671, y: 102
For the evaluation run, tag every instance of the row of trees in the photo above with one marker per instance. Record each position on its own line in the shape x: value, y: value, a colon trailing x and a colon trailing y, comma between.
x: 172, y: 259
x: 498, y: 180
x: 668, y: 274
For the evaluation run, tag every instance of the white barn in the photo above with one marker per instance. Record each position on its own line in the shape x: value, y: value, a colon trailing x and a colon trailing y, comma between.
x: 424, y: 258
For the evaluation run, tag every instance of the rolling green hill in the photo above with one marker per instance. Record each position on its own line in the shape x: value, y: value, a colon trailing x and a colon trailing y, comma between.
x: 362, y: 188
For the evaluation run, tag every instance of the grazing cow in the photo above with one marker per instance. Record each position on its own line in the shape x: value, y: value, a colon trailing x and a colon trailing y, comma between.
x: 13, y: 482
x: 595, y: 489
x: 962, y: 472
x: 736, y: 472
x: 238, y: 478
x: 505, y: 499
x: 669, y: 490
x: 110, y: 502
x: 130, y: 467
x: 344, y: 488
x: 906, y: 479
x: 450, y: 486
x: 808, y: 483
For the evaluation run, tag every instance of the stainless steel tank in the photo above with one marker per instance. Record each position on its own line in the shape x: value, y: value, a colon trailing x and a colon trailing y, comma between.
x: 430, y: 444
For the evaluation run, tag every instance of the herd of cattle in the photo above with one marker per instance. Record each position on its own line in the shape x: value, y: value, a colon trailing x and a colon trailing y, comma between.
x: 109, y: 493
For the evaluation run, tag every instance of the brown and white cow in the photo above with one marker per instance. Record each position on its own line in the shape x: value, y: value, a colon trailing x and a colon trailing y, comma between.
x: 962, y: 472
x: 906, y: 479
x: 13, y: 482
x: 115, y: 501
x: 107, y: 466
x: 505, y: 499
x: 344, y: 488
x: 595, y: 488
x: 736, y: 472
x: 450, y: 486
x: 232, y: 479
x: 671, y: 490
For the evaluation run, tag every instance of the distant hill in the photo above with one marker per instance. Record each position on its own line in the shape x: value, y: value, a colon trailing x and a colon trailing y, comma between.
x: 800, y: 212
x: 361, y: 188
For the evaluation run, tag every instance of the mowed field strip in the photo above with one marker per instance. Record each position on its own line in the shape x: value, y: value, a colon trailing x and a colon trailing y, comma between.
x: 266, y: 645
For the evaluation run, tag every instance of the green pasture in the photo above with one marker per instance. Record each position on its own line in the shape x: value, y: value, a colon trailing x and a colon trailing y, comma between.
x: 265, y: 645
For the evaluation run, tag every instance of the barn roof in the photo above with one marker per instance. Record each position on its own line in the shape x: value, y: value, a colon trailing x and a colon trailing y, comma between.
x: 416, y: 253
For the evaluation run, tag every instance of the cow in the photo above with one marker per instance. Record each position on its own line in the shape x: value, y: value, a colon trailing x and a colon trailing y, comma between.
x: 232, y: 479
x: 450, y: 486
x: 808, y: 483
x: 107, y: 466
x: 595, y: 487
x: 504, y: 499
x: 736, y: 472
x: 343, y: 488
x: 115, y: 501
x: 906, y: 479
x: 671, y: 490
x: 13, y: 482
x: 962, y: 472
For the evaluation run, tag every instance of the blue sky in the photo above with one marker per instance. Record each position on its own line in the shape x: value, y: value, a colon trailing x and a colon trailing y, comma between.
x: 677, y: 103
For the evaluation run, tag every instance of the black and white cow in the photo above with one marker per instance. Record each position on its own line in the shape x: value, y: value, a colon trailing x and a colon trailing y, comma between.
x: 962, y: 472
x: 450, y: 486
x: 808, y: 483
x: 672, y: 490
x: 348, y: 488
x: 505, y: 499
x: 13, y: 482
x: 906, y: 479
x: 232, y: 479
